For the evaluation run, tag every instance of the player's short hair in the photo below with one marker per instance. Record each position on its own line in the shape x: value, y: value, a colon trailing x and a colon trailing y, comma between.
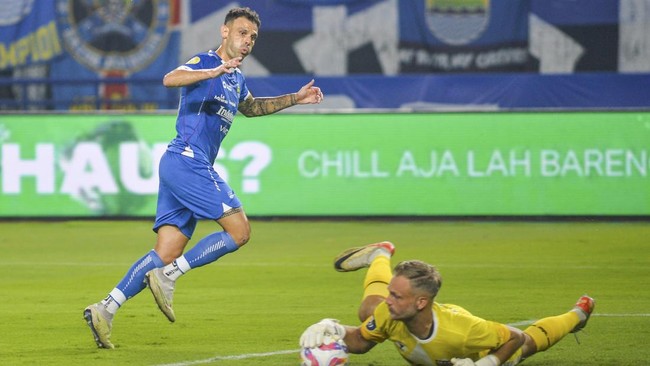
x: 421, y: 275
x: 246, y: 12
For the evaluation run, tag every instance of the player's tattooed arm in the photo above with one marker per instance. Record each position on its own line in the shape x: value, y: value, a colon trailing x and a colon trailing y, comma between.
x: 308, y: 94
x: 252, y: 107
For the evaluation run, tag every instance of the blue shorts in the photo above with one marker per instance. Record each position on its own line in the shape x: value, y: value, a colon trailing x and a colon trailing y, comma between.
x: 189, y: 191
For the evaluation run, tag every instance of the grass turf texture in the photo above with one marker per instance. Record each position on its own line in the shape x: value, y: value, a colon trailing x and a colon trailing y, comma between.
x: 258, y: 300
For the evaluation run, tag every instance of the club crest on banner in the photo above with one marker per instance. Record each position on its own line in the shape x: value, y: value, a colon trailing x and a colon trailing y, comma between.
x: 120, y: 36
x: 457, y: 22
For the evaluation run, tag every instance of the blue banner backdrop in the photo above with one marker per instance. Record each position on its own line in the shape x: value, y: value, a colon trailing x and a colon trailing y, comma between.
x: 131, y: 41
x: 28, y: 33
x: 412, y: 54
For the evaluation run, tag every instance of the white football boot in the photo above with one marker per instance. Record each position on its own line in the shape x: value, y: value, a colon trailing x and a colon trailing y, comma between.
x: 100, y: 322
x: 355, y: 258
x: 162, y: 289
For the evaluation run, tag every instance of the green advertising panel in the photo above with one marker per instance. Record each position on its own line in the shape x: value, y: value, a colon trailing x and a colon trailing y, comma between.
x: 431, y: 164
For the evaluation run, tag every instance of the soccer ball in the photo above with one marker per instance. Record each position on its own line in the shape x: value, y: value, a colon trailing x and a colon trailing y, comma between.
x: 330, y: 353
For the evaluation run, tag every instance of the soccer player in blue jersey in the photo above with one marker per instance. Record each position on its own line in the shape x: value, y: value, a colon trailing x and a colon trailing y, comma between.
x: 401, y: 307
x: 213, y: 89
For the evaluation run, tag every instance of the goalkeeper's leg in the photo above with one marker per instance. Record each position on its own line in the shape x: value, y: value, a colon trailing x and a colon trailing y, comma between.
x: 376, y: 257
x: 375, y: 284
x: 546, y: 332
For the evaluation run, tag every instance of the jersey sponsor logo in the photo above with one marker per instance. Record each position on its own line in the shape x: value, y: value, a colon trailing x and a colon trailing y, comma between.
x: 371, y: 325
x: 221, y: 98
x: 114, y: 35
x: 227, y: 115
x: 457, y: 23
x: 226, y: 86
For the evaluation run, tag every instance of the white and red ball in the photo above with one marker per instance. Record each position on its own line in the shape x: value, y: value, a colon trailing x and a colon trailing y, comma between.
x: 330, y: 353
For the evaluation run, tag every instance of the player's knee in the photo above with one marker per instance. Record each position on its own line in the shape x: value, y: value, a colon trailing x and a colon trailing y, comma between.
x: 241, y: 237
x: 236, y: 224
x: 167, y: 256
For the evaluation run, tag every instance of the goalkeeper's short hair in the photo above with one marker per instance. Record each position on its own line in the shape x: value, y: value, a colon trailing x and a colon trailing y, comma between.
x: 422, y: 276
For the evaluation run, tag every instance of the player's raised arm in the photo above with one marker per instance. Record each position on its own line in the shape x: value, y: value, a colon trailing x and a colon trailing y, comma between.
x: 184, y: 76
x: 253, y: 107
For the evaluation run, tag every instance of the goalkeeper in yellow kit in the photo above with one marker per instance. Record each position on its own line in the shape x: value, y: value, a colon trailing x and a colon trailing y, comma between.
x: 400, y: 307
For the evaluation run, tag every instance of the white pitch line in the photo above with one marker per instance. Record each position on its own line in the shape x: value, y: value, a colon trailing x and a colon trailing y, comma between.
x: 254, y: 355
x: 233, y: 357
x: 523, y: 322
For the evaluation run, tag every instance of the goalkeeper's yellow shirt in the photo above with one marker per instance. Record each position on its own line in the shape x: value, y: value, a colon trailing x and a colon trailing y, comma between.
x: 456, y: 333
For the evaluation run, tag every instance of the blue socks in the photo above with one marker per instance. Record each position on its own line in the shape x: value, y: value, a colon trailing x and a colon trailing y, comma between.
x: 209, y: 249
x: 133, y: 282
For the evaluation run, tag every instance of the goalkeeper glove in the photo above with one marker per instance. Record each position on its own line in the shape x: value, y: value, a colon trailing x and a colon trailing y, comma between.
x: 489, y: 360
x: 315, y: 334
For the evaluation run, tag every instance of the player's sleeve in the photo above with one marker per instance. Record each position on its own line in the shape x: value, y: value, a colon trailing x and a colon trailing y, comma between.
x: 377, y: 327
x: 195, y: 63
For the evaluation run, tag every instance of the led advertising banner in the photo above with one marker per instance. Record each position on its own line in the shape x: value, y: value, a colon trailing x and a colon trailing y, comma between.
x: 442, y: 164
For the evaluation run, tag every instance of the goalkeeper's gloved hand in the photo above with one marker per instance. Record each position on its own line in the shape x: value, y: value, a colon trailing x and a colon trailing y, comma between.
x: 489, y: 360
x: 315, y: 334
x: 462, y: 362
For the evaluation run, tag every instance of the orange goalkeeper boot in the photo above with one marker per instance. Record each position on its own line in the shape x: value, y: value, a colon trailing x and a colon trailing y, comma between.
x: 585, y: 304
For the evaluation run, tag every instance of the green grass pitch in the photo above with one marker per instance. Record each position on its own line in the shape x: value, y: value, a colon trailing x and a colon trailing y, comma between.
x: 250, y: 307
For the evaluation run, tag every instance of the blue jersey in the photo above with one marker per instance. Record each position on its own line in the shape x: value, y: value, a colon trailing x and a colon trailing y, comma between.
x: 190, y: 189
x: 206, y: 110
